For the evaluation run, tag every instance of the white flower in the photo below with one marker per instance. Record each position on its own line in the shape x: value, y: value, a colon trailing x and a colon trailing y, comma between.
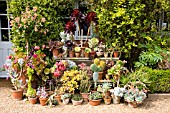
x: 20, y: 61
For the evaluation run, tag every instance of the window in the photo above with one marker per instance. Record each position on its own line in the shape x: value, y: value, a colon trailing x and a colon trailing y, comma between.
x: 4, y: 22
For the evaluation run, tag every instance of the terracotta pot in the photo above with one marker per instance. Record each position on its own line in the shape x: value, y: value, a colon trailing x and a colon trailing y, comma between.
x: 95, y: 102
x: 92, y: 54
x: 85, y: 96
x: 107, y: 94
x: 100, y: 75
x: 55, y: 52
x: 43, y: 101
x: 77, y: 102
x: 17, y: 94
x: 116, y: 100
x: 86, y: 55
x: 116, y: 54
x: 99, y: 54
x: 32, y: 100
x: 77, y: 54
x: 133, y: 104
x: 58, y: 98
x: 71, y: 54
x: 107, y: 101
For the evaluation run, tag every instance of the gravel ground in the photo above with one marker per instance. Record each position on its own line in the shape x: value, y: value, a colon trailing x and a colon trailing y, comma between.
x: 153, y: 104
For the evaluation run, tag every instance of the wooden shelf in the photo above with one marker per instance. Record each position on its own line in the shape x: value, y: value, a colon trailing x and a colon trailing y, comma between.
x: 87, y: 59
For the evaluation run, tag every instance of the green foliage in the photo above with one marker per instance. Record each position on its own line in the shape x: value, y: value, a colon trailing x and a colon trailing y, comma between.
x: 52, y: 11
x: 95, y: 68
x: 155, y: 80
x: 95, y: 96
x: 76, y: 97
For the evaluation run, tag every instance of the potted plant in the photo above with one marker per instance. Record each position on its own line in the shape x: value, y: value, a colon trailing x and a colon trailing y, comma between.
x: 44, y: 97
x: 117, y: 69
x: 102, y: 65
x: 65, y: 98
x: 31, y: 94
x: 77, y: 51
x: 54, y: 46
x: 95, y: 68
x: 105, y: 89
x: 77, y: 99
x: 135, y: 96
x: 17, y: 90
x: 117, y: 93
x: 85, y: 85
x: 87, y: 52
x: 95, y: 98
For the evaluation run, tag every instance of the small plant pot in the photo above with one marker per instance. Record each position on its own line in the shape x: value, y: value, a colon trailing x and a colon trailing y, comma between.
x: 100, y: 75
x: 71, y: 54
x: 75, y: 103
x: 86, y: 55
x: 116, y: 100
x: 17, y: 94
x: 106, y: 54
x: 107, y: 101
x: 55, y: 52
x: 77, y: 54
x: 32, y: 100
x: 58, y: 98
x: 66, y: 101
x: 85, y: 96
x: 95, y: 102
x: 116, y: 54
x: 43, y: 101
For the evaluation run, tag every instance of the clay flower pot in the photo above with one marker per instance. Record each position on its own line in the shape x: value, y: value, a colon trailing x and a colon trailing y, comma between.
x: 77, y: 102
x: 133, y: 104
x: 95, y: 102
x: 71, y: 54
x: 32, y: 100
x: 43, y: 101
x: 107, y: 101
x: 86, y: 55
x: 58, y: 98
x: 77, y: 54
x: 100, y: 75
x: 66, y: 101
x: 55, y: 52
x: 17, y: 94
x: 85, y: 96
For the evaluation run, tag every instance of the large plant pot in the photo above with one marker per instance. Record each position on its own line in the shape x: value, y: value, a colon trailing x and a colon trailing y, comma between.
x: 43, y: 101
x: 85, y: 96
x: 66, y: 101
x: 32, y: 100
x: 75, y: 103
x: 58, y: 98
x: 107, y: 101
x: 95, y: 102
x: 17, y: 94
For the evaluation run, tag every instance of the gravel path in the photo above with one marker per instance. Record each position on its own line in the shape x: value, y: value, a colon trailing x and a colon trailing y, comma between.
x: 153, y: 104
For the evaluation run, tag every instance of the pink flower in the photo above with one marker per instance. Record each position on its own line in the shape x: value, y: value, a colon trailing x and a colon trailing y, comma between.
x: 45, y: 32
x: 17, y: 19
x: 43, y: 20
x: 9, y: 57
x: 36, y: 47
x: 43, y: 46
x: 35, y: 8
x: 35, y: 55
x: 35, y: 15
x: 57, y: 73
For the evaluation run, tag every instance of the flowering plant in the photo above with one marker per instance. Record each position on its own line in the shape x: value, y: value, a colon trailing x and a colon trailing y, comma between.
x: 29, y: 24
x: 14, y: 74
x: 70, y: 81
x: 58, y: 69
x: 77, y: 49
